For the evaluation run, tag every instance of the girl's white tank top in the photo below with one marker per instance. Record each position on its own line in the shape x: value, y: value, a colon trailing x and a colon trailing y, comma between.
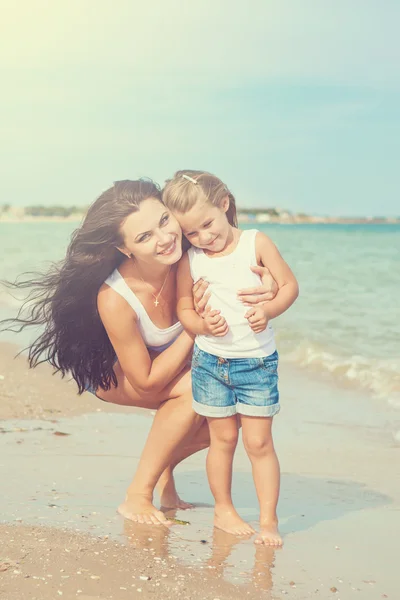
x: 226, y: 275
x: 155, y: 338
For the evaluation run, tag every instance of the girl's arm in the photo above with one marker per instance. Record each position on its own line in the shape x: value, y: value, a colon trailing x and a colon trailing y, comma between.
x: 185, y: 305
x: 288, y: 288
x: 211, y: 322
x: 144, y: 375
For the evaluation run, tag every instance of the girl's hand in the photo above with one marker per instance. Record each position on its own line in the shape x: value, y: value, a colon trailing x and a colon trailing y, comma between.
x: 215, y: 323
x: 200, y: 297
x: 263, y: 293
x: 257, y: 319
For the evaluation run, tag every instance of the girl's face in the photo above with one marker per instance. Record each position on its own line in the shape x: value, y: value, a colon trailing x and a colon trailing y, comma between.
x: 206, y: 226
x: 152, y: 234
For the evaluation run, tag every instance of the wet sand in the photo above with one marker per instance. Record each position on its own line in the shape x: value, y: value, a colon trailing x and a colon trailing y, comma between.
x: 339, y: 506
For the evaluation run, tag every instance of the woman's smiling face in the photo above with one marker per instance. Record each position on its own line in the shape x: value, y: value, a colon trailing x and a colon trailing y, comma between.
x: 152, y: 234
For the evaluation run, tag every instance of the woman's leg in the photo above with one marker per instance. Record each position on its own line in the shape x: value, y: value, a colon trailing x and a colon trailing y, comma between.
x: 224, y: 436
x: 257, y: 439
x: 166, y: 489
x: 174, y: 425
x: 174, y: 402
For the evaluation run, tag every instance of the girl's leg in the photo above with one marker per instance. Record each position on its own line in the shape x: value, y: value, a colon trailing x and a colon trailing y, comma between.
x: 257, y: 439
x: 223, y: 441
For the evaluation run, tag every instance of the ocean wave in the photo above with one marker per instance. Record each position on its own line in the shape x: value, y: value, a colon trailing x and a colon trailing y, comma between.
x: 381, y: 377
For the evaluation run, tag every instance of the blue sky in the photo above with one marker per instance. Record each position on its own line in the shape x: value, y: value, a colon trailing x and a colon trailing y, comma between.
x: 293, y: 103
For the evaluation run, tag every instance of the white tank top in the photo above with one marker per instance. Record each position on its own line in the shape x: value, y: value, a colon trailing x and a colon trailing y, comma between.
x: 154, y: 337
x: 226, y: 275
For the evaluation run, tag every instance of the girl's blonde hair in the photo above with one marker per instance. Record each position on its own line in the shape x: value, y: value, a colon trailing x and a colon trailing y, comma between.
x: 187, y: 187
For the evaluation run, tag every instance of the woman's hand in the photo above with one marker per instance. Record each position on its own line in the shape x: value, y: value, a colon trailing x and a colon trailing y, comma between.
x: 200, y: 296
x: 249, y: 296
x: 263, y: 293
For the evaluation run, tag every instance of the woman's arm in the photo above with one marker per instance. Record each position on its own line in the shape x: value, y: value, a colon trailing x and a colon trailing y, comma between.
x: 266, y: 291
x: 145, y: 375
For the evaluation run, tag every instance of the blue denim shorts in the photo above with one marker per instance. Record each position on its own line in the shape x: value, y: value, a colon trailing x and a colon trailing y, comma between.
x: 223, y: 387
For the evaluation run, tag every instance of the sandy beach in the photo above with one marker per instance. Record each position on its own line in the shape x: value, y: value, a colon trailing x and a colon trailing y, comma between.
x: 67, y: 460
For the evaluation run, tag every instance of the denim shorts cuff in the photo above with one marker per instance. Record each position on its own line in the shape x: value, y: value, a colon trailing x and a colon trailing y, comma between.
x: 258, y: 411
x: 214, y: 411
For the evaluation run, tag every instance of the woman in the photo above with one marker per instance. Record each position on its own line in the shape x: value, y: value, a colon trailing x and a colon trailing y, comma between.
x: 108, y: 311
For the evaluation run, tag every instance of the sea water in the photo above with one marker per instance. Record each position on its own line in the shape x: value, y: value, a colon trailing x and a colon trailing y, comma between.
x: 345, y: 323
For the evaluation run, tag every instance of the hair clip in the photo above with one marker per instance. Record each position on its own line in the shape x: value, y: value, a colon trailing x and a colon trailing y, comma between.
x: 189, y: 178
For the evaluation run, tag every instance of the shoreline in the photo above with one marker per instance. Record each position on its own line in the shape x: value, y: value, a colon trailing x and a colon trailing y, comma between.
x: 331, y: 444
x: 338, y: 382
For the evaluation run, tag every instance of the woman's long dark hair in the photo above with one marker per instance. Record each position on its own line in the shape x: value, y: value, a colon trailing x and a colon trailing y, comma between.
x: 64, y: 300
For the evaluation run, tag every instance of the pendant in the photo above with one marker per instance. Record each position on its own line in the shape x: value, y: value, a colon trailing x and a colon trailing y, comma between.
x: 156, y: 302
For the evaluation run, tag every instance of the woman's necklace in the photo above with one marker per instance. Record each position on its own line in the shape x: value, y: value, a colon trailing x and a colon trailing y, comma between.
x: 156, y: 296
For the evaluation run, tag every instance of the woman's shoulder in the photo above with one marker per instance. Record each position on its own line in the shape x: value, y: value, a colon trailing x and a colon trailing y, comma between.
x: 112, y: 305
x: 107, y: 297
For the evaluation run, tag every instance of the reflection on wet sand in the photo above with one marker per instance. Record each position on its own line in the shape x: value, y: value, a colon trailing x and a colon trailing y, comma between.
x: 251, y: 563
x: 154, y: 539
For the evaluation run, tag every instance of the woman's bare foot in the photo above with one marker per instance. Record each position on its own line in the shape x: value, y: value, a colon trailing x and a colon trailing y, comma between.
x: 269, y: 535
x: 174, y: 501
x: 169, y: 497
x: 140, y: 509
x: 227, y: 519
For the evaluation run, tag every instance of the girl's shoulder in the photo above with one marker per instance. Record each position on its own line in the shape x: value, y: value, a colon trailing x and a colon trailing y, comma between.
x: 250, y: 236
x: 249, y: 233
x: 261, y: 237
x: 263, y: 244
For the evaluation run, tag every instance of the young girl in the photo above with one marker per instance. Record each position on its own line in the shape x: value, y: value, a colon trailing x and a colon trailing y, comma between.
x: 234, y: 365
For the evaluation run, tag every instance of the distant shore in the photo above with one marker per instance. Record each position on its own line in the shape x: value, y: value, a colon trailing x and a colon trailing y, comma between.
x: 243, y: 217
x: 307, y: 219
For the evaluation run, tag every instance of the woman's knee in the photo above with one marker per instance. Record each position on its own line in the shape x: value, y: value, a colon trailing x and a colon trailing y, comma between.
x: 181, y: 385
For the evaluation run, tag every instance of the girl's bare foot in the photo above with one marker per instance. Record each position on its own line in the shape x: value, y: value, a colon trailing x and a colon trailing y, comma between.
x: 227, y: 519
x: 269, y: 535
x: 140, y: 509
x: 169, y: 497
